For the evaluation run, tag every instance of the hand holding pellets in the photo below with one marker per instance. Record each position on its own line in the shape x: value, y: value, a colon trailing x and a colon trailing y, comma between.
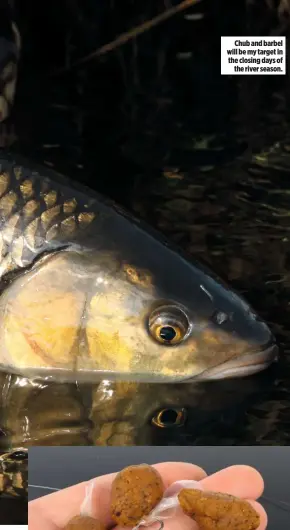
x: 138, y: 490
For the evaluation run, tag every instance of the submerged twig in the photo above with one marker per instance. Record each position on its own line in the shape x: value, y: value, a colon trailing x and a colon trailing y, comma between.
x: 131, y: 34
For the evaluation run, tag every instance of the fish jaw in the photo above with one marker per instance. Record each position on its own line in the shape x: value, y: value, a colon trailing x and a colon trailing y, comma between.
x: 245, y: 365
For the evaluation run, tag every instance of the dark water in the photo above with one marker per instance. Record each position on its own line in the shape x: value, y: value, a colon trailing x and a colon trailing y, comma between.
x: 13, y: 511
x: 205, y: 159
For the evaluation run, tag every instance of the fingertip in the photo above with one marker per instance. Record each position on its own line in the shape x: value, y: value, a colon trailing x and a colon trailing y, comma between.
x: 174, y: 471
x: 239, y: 480
x: 250, y: 474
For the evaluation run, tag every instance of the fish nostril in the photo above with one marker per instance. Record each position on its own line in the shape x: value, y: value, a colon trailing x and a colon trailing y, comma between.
x: 172, y: 417
x: 219, y: 317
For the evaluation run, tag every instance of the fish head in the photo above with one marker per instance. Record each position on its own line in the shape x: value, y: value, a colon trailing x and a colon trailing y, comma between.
x: 187, y: 324
x: 178, y: 320
x: 128, y: 307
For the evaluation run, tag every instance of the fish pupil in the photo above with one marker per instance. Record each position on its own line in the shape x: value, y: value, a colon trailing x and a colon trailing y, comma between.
x: 169, y: 417
x: 167, y: 333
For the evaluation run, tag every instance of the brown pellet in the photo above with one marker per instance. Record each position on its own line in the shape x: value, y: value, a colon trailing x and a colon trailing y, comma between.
x: 80, y: 522
x: 136, y: 490
x: 218, y: 511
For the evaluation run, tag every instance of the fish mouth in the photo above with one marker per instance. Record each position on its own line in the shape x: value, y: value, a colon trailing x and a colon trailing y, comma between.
x: 245, y: 365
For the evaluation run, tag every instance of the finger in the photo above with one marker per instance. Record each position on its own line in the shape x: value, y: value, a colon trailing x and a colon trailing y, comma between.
x: 242, y: 481
x: 169, y: 470
x: 61, y: 506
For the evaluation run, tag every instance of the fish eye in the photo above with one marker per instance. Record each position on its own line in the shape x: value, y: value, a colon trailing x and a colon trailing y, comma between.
x: 168, y: 325
x: 166, y: 418
x: 19, y: 455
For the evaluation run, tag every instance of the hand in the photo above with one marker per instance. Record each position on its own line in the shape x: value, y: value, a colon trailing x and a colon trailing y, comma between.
x: 55, y: 510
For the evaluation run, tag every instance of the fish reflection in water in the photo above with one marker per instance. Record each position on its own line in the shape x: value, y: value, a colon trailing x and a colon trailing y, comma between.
x: 35, y: 413
x: 88, y: 291
x: 115, y: 413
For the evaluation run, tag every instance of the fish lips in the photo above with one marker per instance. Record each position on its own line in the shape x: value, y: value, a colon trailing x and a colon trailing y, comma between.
x: 248, y: 364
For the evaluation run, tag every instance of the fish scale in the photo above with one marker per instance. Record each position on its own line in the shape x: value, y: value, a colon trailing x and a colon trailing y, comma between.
x: 33, y: 215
